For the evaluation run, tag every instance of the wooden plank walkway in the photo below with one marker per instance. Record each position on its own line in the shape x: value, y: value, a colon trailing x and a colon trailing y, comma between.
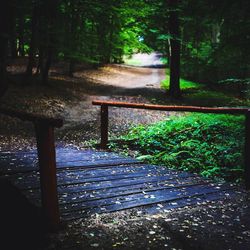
x: 97, y: 182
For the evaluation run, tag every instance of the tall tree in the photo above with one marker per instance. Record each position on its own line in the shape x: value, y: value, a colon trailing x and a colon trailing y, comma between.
x: 33, y: 41
x: 13, y: 30
x: 51, y: 8
x: 4, y: 36
x: 20, y: 28
x: 174, y: 48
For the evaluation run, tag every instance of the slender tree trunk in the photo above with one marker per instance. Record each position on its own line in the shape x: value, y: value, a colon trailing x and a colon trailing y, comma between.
x: 73, y: 39
x: 4, y: 34
x: 21, y: 35
x: 34, y: 24
x: 13, y: 33
x: 110, y: 45
x: 71, y: 67
x: 40, y: 61
x: 51, y: 7
x: 175, y: 48
x: 103, y: 47
x: 45, y: 72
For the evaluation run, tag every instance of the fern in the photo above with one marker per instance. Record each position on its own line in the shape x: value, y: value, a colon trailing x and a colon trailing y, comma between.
x: 211, y: 145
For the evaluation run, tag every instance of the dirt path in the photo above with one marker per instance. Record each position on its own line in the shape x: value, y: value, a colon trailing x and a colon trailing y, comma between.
x: 71, y: 99
x: 125, y: 77
x: 114, y: 82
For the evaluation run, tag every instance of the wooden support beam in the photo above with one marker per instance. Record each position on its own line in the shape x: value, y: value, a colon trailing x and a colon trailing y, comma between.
x: 104, y: 126
x: 48, y: 179
x: 247, y: 150
x: 44, y: 127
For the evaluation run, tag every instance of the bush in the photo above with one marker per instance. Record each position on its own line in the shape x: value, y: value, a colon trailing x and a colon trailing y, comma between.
x: 242, y: 86
x: 209, y: 144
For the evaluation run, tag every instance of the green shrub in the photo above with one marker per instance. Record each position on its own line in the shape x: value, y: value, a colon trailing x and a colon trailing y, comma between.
x: 242, y: 86
x: 209, y: 144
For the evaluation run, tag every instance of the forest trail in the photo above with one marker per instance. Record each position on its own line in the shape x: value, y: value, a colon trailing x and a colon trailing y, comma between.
x: 71, y: 98
x: 127, y: 76
x: 122, y: 82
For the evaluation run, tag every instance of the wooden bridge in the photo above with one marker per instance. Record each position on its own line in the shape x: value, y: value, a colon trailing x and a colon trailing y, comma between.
x: 69, y: 183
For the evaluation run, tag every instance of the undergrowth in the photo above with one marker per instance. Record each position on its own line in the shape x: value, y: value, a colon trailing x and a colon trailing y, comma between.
x: 211, y: 145
x: 184, y: 84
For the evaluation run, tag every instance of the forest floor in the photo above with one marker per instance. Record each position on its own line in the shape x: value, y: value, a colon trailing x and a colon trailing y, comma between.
x: 217, y: 225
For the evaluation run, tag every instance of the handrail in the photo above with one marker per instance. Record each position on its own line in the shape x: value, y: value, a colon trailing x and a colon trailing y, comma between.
x: 217, y: 110
x: 172, y: 108
x: 44, y: 128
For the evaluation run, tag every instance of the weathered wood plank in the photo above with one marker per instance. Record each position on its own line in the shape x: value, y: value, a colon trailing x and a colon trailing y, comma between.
x: 96, y: 182
x: 22, y: 168
x: 32, y: 181
x: 64, y: 152
x: 12, y: 163
x: 174, y: 199
x: 203, y: 199
x: 143, y: 198
x: 121, y: 190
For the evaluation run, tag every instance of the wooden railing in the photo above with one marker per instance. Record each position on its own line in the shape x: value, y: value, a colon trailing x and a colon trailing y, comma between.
x: 234, y: 111
x: 44, y: 128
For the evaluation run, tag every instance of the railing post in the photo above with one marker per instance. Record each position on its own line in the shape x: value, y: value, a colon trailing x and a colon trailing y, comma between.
x: 247, y: 150
x: 104, y: 126
x: 47, y: 166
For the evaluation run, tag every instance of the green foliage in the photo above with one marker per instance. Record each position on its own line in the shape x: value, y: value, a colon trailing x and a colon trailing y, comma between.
x: 211, y: 145
x: 215, y: 40
x: 184, y: 84
x: 214, y: 36
x: 204, y: 97
x: 242, y: 86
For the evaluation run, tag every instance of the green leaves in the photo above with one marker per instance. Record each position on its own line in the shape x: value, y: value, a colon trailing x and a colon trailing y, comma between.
x: 211, y: 145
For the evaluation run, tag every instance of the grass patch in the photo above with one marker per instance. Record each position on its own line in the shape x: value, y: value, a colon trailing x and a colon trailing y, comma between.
x: 208, y: 144
x: 184, y: 84
x: 210, y: 98
x: 194, y: 93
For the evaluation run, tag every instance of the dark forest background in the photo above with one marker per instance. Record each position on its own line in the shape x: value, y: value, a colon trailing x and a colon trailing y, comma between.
x: 211, y: 37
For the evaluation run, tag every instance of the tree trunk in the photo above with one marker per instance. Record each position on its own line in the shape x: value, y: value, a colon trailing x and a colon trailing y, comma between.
x: 4, y: 35
x: 21, y: 35
x: 175, y: 47
x: 110, y: 45
x: 71, y: 67
x: 13, y: 34
x: 39, y: 67
x: 32, y: 49
x: 51, y: 8
x: 72, y: 38
x: 45, y: 72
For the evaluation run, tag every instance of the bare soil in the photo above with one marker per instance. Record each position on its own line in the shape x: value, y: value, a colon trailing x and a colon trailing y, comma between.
x: 71, y: 99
